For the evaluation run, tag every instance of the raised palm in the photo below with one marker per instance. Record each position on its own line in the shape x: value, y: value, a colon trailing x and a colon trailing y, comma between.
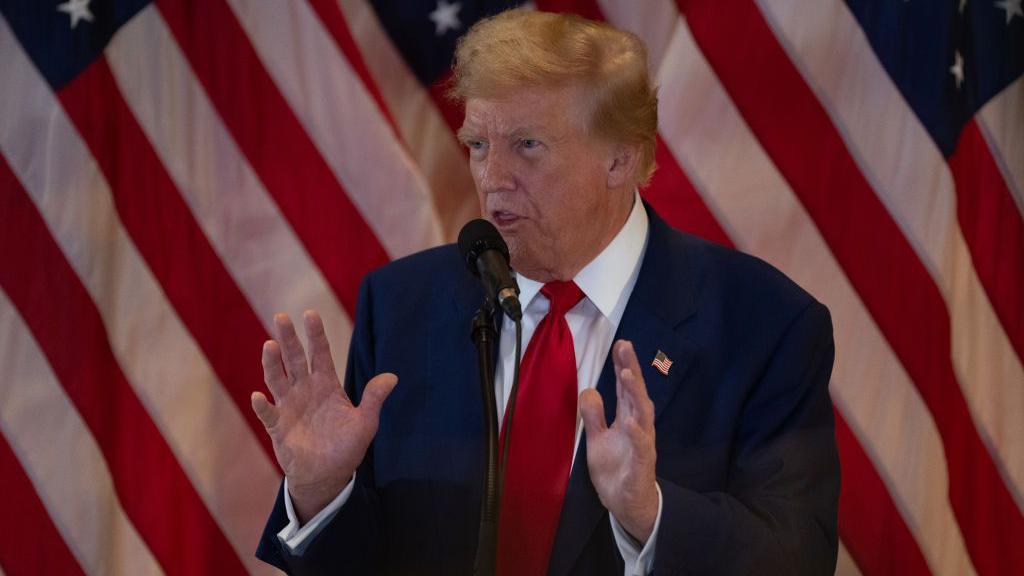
x: 319, y: 436
x: 621, y: 457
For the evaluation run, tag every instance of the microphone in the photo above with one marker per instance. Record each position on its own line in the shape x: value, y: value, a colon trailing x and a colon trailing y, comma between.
x: 486, y: 256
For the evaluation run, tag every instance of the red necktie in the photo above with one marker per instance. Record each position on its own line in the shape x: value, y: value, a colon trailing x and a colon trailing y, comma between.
x: 543, y: 434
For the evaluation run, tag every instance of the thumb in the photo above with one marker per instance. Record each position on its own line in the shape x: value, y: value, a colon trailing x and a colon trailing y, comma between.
x: 592, y: 412
x: 376, y: 391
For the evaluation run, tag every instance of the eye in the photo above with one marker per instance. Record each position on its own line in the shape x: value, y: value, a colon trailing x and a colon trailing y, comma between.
x: 477, y: 147
x: 529, y: 143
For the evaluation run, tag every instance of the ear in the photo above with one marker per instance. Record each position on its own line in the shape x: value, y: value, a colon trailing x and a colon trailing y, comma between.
x: 622, y: 165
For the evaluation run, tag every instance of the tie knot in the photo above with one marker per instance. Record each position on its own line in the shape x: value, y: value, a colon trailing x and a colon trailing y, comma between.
x: 562, y: 295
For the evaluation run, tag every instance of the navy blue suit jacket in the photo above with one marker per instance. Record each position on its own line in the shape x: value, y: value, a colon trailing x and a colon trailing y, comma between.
x: 746, y: 454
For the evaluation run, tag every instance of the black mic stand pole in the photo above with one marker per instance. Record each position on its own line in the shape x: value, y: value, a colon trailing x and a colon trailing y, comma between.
x: 484, y: 336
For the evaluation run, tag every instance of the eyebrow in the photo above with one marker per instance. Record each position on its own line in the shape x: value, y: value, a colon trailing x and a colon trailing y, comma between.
x: 464, y: 135
x: 523, y: 131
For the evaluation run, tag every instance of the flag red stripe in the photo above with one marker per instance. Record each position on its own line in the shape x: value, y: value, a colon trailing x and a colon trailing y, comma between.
x: 277, y: 147
x: 164, y: 230
x: 156, y: 494
x: 336, y: 25
x: 992, y: 228
x: 31, y: 543
x: 870, y: 525
x: 585, y: 8
x: 676, y: 200
x: 776, y: 103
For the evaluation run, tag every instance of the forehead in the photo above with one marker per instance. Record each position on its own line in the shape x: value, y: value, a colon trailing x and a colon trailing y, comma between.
x: 548, y: 108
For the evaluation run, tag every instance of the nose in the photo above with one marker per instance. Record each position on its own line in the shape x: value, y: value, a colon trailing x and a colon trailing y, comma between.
x: 497, y: 172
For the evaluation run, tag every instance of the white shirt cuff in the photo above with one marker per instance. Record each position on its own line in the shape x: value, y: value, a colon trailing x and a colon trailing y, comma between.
x: 639, y: 561
x: 295, y: 537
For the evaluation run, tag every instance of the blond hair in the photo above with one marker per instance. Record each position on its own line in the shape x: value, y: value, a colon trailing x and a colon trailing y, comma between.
x: 520, y: 48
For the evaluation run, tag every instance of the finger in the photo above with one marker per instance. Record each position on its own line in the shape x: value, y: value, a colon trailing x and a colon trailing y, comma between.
x: 641, y: 407
x: 376, y: 392
x: 634, y: 387
x: 265, y: 411
x: 291, y: 349
x: 625, y: 357
x: 592, y: 413
x: 622, y: 407
x: 273, y: 371
x: 319, y: 348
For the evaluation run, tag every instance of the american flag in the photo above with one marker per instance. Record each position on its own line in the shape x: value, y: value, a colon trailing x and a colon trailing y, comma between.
x: 174, y: 172
x: 661, y: 362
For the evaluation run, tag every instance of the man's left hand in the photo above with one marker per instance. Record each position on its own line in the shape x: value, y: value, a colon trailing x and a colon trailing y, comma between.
x: 621, y: 457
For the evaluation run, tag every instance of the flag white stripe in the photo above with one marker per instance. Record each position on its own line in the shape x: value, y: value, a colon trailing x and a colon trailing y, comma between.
x: 343, y: 122
x: 1000, y: 120
x: 845, y: 565
x: 168, y: 372
x: 61, y: 458
x: 912, y: 179
x: 242, y: 222
x: 427, y: 136
x: 709, y: 138
x: 657, y: 20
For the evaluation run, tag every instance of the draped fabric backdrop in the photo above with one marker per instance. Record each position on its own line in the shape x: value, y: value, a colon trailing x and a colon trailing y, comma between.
x: 174, y: 172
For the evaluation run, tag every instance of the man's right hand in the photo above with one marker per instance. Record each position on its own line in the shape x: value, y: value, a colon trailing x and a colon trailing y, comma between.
x: 319, y: 436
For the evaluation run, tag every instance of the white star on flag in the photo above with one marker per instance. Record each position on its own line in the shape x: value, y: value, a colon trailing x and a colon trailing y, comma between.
x: 1012, y: 7
x: 957, y: 69
x: 446, y: 17
x: 76, y: 10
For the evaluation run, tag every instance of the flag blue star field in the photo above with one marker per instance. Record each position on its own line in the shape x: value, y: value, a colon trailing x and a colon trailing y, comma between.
x: 172, y: 173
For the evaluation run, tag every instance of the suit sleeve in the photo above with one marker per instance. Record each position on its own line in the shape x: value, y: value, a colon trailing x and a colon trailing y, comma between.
x: 351, y: 542
x: 778, y: 514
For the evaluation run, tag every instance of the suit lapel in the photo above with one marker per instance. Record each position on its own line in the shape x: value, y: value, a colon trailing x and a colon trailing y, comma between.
x: 662, y: 298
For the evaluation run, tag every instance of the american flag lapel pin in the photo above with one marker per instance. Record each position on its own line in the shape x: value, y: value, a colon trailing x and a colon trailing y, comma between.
x: 661, y: 362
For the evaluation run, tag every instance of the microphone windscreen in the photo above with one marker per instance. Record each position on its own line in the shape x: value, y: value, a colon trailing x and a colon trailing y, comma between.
x: 475, y: 238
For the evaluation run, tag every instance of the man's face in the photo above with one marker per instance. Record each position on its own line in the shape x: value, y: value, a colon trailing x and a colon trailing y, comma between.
x: 541, y: 179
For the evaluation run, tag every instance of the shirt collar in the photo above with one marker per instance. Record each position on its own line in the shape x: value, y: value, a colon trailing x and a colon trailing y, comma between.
x: 607, y: 276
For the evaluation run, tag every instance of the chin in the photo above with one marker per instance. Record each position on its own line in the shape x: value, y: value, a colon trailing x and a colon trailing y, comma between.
x: 520, y: 257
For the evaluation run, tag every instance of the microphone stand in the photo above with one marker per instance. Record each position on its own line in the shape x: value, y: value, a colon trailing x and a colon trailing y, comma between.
x: 484, y: 336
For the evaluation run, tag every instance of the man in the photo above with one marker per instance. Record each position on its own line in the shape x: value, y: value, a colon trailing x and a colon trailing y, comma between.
x: 701, y: 442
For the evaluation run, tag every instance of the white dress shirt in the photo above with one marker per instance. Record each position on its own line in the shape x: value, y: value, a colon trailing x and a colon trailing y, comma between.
x: 607, y: 282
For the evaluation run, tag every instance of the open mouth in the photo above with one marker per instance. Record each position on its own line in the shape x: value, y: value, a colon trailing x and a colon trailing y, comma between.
x: 504, y: 219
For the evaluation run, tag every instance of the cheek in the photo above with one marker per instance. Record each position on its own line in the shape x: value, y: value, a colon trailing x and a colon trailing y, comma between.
x: 568, y: 201
x: 474, y: 171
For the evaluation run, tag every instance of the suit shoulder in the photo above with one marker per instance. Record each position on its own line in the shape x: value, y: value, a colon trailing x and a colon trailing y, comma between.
x: 415, y: 279
x: 742, y: 279
x: 440, y: 260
